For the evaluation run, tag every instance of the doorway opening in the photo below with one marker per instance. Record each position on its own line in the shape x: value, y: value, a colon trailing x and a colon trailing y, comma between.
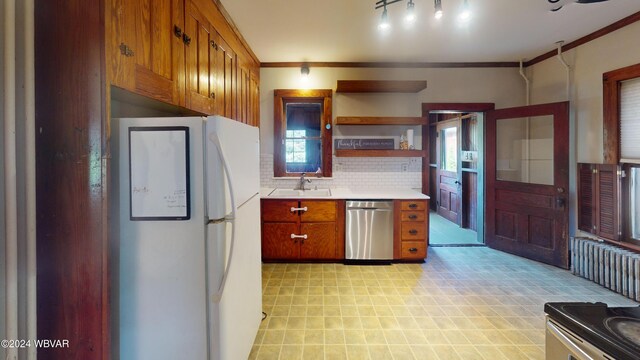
x: 454, y: 175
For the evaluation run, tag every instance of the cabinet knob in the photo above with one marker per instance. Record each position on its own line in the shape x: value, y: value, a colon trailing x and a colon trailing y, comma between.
x: 214, y: 45
x: 413, y: 232
x: 177, y: 31
x: 413, y: 250
x: 413, y: 206
x: 212, y: 95
x: 186, y: 39
x: 125, y: 50
x: 413, y: 217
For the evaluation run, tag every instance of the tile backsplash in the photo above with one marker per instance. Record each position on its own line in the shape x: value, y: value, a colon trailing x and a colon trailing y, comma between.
x: 354, y: 173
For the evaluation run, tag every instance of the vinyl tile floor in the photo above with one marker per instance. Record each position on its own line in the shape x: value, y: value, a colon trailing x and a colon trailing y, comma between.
x: 463, y: 303
x: 445, y: 232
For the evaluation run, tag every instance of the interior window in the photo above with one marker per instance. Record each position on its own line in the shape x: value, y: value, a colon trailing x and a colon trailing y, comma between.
x: 450, y: 149
x: 302, y: 132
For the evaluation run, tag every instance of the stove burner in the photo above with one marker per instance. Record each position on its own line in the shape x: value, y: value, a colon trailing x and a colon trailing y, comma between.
x: 625, y: 328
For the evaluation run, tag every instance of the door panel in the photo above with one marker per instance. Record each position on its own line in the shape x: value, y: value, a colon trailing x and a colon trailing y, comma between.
x: 225, y: 71
x: 528, y: 181
x: 448, y: 173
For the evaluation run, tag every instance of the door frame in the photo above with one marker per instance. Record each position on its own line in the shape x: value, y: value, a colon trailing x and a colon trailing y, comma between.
x: 440, y: 126
x: 427, y: 108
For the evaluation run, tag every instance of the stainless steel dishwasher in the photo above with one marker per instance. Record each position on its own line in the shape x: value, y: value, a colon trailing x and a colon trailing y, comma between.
x: 369, y: 234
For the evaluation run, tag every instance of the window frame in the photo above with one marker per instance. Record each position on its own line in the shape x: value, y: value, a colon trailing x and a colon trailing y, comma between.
x: 612, y: 83
x: 281, y: 98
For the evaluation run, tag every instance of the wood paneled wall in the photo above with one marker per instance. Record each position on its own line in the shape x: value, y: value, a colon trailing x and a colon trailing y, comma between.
x: 72, y: 295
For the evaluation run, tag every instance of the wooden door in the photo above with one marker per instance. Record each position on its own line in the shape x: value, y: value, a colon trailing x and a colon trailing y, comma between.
x: 225, y: 73
x: 448, y: 171
x: 200, y: 61
x: 277, y: 242
x: 527, y: 181
x: 159, y: 49
x: 320, y: 242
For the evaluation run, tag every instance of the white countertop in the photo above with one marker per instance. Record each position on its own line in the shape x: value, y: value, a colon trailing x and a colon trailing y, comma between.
x: 356, y: 194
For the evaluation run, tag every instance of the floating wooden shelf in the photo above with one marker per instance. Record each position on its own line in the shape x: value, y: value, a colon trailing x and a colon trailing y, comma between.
x: 363, y: 120
x: 381, y: 86
x: 380, y: 153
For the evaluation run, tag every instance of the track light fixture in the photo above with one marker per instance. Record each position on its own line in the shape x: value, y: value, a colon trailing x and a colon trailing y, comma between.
x: 438, y: 8
x: 410, y: 16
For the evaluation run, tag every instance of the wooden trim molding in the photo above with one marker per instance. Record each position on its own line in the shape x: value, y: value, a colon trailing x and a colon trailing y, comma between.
x: 587, y: 38
x: 380, y: 86
x: 393, y: 65
x: 611, y: 110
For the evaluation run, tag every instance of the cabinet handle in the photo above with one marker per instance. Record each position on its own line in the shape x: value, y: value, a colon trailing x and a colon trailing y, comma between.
x: 177, y: 31
x: 214, y: 45
x: 413, y: 250
x: 413, y: 231
x: 301, y: 237
x: 125, y: 50
x: 212, y: 95
x: 413, y: 206
x: 413, y: 217
x: 293, y: 209
x: 186, y: 39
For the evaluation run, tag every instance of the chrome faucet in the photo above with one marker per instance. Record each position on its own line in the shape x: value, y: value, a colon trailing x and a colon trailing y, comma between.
x: 301, y: 182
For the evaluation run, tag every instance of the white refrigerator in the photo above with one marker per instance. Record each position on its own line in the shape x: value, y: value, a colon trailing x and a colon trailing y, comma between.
x: 188, y: 218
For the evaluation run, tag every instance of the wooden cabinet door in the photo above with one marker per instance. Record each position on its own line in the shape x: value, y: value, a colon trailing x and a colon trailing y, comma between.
x: 200, y: 61
x: 225, y: 75
x: 320, y: 242
x: 254, y: 98
x: 318, y: 211
x: 243, y: 91
x: 120, y: 30
x: 277, y: 242
x: 159, y: 49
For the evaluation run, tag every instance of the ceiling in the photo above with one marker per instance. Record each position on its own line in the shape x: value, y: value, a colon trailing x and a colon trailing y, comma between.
x: 346, y: 30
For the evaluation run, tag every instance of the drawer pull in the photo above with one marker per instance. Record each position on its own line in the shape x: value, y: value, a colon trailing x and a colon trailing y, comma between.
x: 413, y: 250
x: 413, y: 232
x: 294, y: 209
x: 413, y: 206
x: 413, y: 217
x: 302, y: 237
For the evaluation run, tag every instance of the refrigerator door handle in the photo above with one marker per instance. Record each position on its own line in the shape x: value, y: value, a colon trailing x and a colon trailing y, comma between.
x: 229, y: 218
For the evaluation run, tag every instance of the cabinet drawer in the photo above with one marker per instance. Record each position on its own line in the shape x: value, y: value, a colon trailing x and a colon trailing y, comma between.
x: 414, y: 250
x: 318, y: 211
x: 413, y: 230
x: 279, y: 210
x: 412, y: 216
x: 413, y: 205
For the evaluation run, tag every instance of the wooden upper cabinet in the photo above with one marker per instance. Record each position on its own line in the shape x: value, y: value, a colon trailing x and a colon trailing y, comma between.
x: 159, y: 49
x: 254, y: 98
x: 120, y: 38
x: 225, y: 70
x: 200, y: 61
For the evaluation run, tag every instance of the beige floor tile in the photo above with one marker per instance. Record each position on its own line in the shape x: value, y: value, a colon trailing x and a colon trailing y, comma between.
x: 446, y: 352
x: 490, y: 352
x: 435, y: 337
x: 374, y: 337
x: 313, y: 352
x: 294, y: 337
x: 533, y: 352
x: 354, y: 337
x: 332, y: 310
x: 468, y: 352
x: 352, y: 322
x: 259, y: 337
x: 269, y: 352
x: 337, y: 352
x: 415, y: 337
x: 357, y: 352
x: 334, y: 337
x: 254, y: 352
x: 380, y: 352
x: 370, y: 323
x: 349, y: 310
x: 272, y: 337
x: 389, y: 323
x: 513, y: 353
x: 314, y: 322
x: 424, y: 352
x: 291, y: 352
x: 394, y: 337
x: 314, y: 337
x: 400, y: 352
x: 333, y: 323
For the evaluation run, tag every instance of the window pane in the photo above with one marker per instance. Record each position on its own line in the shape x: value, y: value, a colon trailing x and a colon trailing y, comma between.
x: 524, y: 150
x: 450, y: 149
x: 630, y: 119
x: 306, y: 156
x: 634, y: 201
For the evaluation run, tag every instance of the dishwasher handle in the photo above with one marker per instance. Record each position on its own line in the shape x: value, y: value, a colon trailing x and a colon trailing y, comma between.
x: 368, y: 209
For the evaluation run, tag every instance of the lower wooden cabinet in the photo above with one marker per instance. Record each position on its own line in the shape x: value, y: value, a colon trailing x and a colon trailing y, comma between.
x: 411, y: 229
x: 302, y: 230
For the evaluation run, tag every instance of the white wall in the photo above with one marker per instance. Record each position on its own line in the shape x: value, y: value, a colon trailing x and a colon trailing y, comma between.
x: 502, y: 86
x: 588, y: 62
x: 2, y: 200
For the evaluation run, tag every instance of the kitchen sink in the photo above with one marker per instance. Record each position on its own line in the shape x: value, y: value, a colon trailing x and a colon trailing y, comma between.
x: 300, y: 193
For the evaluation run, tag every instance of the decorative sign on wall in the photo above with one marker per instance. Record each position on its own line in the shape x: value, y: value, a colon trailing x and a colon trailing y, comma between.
x: 364, y: 144
x: 159, y: 173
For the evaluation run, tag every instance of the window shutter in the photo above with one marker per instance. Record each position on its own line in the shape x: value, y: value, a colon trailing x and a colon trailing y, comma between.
x: 586, y: 194
x: 608, y: 198
x: 630, y: 120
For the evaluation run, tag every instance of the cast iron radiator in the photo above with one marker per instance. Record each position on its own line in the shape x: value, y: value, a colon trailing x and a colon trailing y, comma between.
x: 610, y: 266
